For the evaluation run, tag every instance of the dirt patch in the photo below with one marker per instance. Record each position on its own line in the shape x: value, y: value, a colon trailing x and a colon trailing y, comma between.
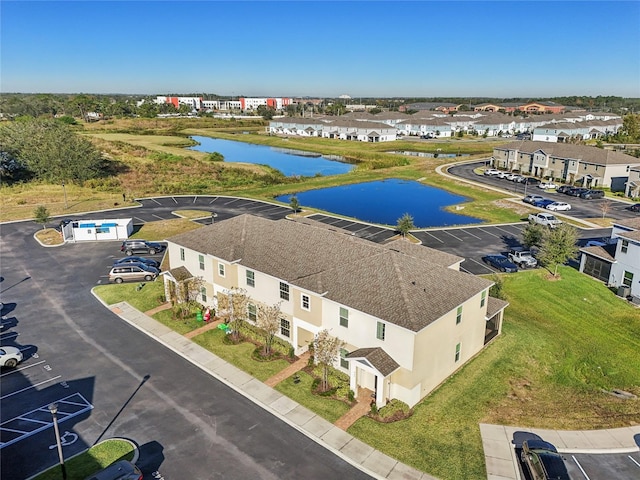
x: 519, y: 209
x: 49, y: 236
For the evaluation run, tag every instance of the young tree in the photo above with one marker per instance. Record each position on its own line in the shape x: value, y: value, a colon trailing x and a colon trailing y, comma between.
x: 558, y: 246
x: 326, y: 351
x: 41, y: 215
x: 605, y: 206
x: 405, y: 223
x: 294, y: 204
x: 185, y: 293
x: 533, y: 234
x: 269, y: 322
x: 233, y: 308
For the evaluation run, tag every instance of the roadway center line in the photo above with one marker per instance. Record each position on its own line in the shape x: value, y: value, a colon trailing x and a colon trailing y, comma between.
x: 580, y: 467
x: 22, y: 368
x: 30, y: 387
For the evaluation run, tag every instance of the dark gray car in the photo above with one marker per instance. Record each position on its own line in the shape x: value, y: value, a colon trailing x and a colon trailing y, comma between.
x: 130, y: 247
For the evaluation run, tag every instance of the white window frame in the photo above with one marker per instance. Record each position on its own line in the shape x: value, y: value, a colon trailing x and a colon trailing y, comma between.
x: 201, y: 261
x: 344, y: 317
x: 458, y: 352
x: 221, y: 269
x: 250, y: 277
x: 182, y: 254
x: 304, y: 298
x: 285, y: 328
x: 285, y: 293
x: 252, y: 310
x: 381, y: 331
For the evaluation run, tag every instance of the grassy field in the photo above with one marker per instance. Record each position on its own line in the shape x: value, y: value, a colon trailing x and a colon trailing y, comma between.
x: 89, y: 462
x: 144, y: 299
x: 149, y: 159
x: 548, y: 369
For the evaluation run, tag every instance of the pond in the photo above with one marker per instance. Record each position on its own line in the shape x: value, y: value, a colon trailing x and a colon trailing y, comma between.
x: 385, y: 201
x: 289, y: 162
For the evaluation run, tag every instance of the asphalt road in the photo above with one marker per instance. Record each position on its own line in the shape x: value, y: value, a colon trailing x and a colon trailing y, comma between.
x: 111, y: 380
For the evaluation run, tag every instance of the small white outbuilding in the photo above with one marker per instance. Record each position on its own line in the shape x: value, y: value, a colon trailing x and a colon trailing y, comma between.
x: 93, y: 230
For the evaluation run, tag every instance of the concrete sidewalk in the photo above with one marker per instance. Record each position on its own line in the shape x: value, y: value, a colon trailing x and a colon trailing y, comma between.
x: 352, y: 450
x: 497, y: 440
x: 499, y: 446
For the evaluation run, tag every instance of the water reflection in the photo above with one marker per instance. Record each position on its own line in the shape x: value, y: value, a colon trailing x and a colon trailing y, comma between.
x: 385, y: 201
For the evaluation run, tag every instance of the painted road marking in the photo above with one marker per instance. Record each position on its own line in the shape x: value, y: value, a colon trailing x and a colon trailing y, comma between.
x: 433, y: 236
x: 448, y: 233
x: 30, y: 387
x: 64, y: 441
x: 580, y: 467
x: 7, y: 335
x: 468, y: 232
x: 633, y: 460
x: 40, y: 419
x: 22, y: 368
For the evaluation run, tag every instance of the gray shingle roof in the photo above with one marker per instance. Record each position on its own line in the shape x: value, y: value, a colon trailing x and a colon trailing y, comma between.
x: 377, y: 357
x: 408, y: 289
x: 593, y: 155
x: 494, y: 305
x: 629, y: 223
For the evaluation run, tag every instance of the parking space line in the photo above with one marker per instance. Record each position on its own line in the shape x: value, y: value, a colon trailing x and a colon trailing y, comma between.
x: 481, y: 264
x: 469, y: 233
x: 174, y: 199
x: 154, y: 200
x: 30, y: 423
x: 141, y: 220
x: 580, y: 467
x: 633, y: 460
x: 436, y: 238
x: 492, y: 234
x: 24, y: 367
x: 30, y: 387
x: 216, y: 198
x: 447, y: 232
x: 157, y: 216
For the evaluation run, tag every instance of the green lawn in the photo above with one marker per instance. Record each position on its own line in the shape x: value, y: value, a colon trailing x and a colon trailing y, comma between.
x: 563, y: 341
x: 327, y: 408
x: 89, y: 462
x: 239, y: 355
x: 144, y: 299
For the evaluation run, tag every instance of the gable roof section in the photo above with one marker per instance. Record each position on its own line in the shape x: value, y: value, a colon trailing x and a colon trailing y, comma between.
x: 377, y: 357
x: 409, y: 290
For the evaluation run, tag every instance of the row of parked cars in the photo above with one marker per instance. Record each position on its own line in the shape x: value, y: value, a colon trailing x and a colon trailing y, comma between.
x: 134, y: 268
x: 582, y: 192
x: 515, y: 259
x: 541, y: 202
x: 514, y: 177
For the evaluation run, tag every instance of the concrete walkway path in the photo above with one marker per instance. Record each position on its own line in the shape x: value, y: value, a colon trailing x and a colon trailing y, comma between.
x: 360, y: 409
x: 296, y: 366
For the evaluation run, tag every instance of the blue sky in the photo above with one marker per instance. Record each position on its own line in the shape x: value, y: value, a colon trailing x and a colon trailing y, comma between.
x: 313, y: 48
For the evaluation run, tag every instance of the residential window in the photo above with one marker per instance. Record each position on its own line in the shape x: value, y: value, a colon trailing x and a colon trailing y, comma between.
x: 285, y: 327
x: 252, y: 312
x: 203, y: 294
x: 306, y: 302
x: 483, y: 298
x: 344, y: 317
x: 251, y: 278
x: 628, y: 279
x: 380, y: 331
x: 182, y: 254
x: 284, y: 291
x: 201, y: 261
x: 459, y: 315
x: 624, y: 246
x: 221, y: 269
x: 344, y: 363
x: 457, y: 352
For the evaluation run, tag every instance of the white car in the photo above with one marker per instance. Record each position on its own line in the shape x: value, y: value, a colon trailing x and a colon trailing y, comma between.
x: 10, y: 356
x: 547, y: 185
x: 491, y: 171
x: 559, y: 206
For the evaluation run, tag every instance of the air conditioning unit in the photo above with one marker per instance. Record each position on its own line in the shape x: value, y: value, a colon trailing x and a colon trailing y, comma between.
x: 635, y: 300
x: 624, y: 291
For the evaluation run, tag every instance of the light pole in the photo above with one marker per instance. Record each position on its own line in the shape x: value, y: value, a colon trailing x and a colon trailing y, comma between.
x: 53, y: 408
x: 213, y: 217
x: 64, y: 190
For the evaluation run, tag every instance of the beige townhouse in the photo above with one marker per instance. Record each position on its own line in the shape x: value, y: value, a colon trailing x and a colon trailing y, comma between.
x: 408, y: 316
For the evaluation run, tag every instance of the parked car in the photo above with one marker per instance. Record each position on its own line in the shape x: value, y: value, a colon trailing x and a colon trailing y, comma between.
x: 591, y: 194
x: 503, y: 174
x: 558, y: 206
x: 634, y: 208
x: 546, y: 219
x: 141, y: 246
x: 564, y: 188
x: 522, y: 258
x: 491, y: 172
x: 542, y: 203
x: 132, y: 272
x: 501, y: 263
x: 147, y: 261
x: 543, y: 461
x: 532, y: 198
x: 512, y: 176
x: 517, y: 178
x: 530, y: 181
x: 121, y: 470
x: 547, y: 185
x: 576, y: 191
x: 10, y: 356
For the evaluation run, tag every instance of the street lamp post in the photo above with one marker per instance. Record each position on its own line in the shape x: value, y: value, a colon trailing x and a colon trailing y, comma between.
x: 53, y: 408
x: 64, y: 190
x: 213, y: 217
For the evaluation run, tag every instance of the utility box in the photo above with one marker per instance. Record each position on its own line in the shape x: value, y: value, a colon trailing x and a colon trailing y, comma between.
x: 624, y: 291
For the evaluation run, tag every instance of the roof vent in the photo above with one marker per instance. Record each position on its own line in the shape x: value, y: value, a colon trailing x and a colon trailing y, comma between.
x: 413, y: 283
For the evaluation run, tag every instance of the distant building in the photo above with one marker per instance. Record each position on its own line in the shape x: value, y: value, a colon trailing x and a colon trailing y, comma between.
x: 194, y: 102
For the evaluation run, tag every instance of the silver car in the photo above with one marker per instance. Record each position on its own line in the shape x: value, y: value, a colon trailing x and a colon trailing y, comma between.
x: 132, y: 272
